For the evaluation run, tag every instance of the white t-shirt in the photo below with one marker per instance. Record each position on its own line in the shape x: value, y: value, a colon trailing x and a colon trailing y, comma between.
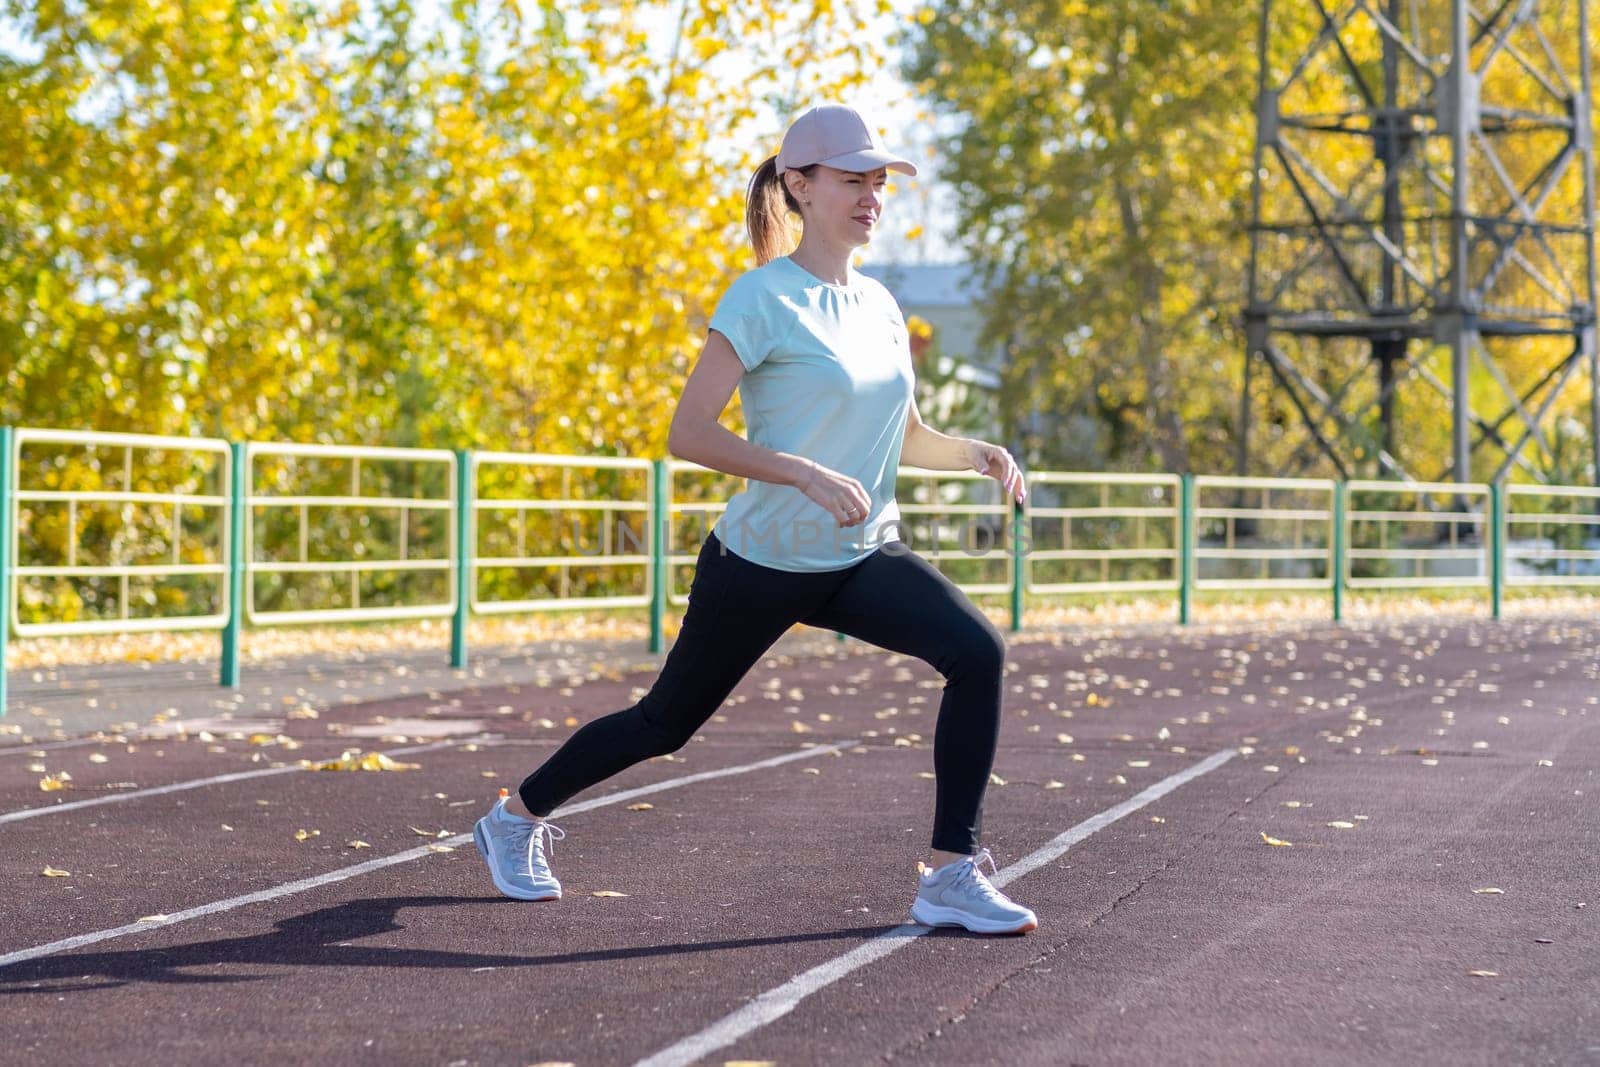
x: 827, y: 376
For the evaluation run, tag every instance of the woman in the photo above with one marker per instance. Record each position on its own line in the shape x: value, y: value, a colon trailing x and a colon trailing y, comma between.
x: 820, y: 356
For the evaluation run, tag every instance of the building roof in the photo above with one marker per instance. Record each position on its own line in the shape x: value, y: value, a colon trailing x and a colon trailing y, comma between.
x: 929, y: 284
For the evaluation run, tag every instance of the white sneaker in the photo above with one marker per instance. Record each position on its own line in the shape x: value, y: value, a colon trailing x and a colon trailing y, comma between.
x: 513, y: 847
x: 958, y: 894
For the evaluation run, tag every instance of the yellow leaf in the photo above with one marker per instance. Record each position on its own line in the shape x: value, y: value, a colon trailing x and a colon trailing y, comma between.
x: 488, y: 774
x: 1053, y: 784
x: 151, y: 918
x: 1138, y: 763
x: 358, y: 844
x: 607, y: 893
x: 641, y: 807
x: 51, y: 872
x: 353, y: 760
x: 798, y: 727
x: 441, y: 848
x: 811, y: 770
x: 1340, y: 824
x: 570, y: 720
x: 1483, y: 974
x: 995, y: 779
x: 428, y: 833
x: 97, y: 757
x: 303, y: 835
x: 1275, y: 841
x: 52, y: 783
x: 1491, y: 890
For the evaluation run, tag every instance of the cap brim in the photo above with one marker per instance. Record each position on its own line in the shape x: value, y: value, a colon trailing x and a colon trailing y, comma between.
x: 861, y: 162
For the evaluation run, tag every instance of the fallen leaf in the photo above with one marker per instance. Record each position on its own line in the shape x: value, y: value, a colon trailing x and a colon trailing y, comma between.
x: 995, y: 779
x: 353, y: 760
x: 1483, y: 974
x: 1053, y: 784
x: 151, y: 918
x: 926, y: 774
x: 1138, y: 763
x: 441, y: 848
x: 1275, y: 841
x: 570, y: 720
x: 607, y: 893
x: 1543, y: 941
x: 1544, y: 763
x: 98, y: 757
x: 428, y: 833
x: 798, y: 727
x: 641, y: 807
x: 1157, y: 818
x: 1491, y: 890
x: 51, y: 783
x: 1342, y: 825
x: 811, y: 770
x: 304, y: 835
x: 228, y: 828
x: 51, y: 872
x: 358, y: 844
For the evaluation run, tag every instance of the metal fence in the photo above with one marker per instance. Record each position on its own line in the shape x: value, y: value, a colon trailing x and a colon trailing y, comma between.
x: 108, y: 533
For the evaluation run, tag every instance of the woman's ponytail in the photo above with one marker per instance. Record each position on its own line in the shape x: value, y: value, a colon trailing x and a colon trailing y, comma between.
x: 767, y: 212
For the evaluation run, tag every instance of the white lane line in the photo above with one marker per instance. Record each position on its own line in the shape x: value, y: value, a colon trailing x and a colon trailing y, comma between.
x: 236, y: 776
x: 781, y: 1000
x: 421, y: 852
x: 22, y: 750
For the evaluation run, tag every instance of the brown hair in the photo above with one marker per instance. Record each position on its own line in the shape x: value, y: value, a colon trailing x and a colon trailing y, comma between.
x: 767, y: 210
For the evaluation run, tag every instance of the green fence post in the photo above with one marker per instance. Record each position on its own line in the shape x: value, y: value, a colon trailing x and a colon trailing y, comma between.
x: 1019, y: 523
x: 238, y: 459
x: 658, y: 554
x: 465, y: 495
x: 1185, y: 548
x: 1497, y: 546
x: 8, y: 471
x: 1337, y: 564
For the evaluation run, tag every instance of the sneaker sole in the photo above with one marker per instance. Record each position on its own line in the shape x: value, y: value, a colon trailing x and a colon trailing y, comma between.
x: 478, y: 838
x: 936, y: 915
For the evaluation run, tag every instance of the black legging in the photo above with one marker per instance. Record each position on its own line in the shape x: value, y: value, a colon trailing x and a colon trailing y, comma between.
x: 894, y: 599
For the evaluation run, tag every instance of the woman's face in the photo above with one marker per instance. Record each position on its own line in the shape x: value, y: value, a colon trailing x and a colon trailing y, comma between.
x: 844, y: 205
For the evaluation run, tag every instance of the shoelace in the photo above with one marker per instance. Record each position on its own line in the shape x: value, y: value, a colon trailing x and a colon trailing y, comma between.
x: 971, y: 873
x: 526, y: 839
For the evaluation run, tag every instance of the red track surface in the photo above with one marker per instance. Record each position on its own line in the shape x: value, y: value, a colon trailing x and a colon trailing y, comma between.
x: 1173, y: 934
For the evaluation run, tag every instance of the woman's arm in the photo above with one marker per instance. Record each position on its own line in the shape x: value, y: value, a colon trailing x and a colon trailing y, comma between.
x: 697, y: 435
x: 928, y: 448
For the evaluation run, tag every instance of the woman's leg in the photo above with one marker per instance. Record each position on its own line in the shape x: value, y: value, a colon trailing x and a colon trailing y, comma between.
x: 899, y: 601
x: 737, y: 610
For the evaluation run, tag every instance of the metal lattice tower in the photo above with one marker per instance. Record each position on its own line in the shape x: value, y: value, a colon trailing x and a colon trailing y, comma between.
x: 1422, y: 233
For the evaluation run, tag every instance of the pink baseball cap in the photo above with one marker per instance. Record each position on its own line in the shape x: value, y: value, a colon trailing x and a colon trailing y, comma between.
x: 837, y: 136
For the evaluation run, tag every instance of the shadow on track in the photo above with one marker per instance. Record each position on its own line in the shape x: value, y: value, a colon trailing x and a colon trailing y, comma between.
x: 322, y: 939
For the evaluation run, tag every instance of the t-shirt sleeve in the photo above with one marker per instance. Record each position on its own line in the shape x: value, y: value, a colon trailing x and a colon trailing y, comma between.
x: 744, y: 316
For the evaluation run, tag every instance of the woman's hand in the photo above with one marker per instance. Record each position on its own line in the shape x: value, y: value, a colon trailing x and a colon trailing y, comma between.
x: 998, y: 464
x: 840, y: 494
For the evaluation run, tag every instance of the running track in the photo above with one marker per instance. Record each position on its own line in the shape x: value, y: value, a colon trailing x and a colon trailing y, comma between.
x: 1409, y: 767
